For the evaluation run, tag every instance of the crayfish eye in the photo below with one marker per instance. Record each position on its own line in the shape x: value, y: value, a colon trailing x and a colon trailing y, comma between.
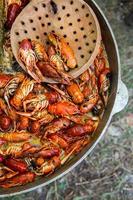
x: 108, y: 75
x: 33, y: 164
x: 84, y: 106
x: 95, y: 111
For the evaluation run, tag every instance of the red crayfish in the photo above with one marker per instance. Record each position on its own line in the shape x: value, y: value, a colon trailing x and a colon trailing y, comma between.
x: 80, y: 130
x: 18, y: 180
x: 13, y: 10
x: 63, y: 108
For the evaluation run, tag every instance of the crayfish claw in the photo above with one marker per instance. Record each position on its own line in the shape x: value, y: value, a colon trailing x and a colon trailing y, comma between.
x: 28, y: 57
x: 35, y: 73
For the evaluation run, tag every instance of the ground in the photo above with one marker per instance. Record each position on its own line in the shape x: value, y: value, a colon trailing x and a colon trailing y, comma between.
x: 106, y: 174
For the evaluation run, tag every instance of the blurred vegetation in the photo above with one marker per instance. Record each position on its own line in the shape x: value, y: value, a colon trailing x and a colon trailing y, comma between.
x: 1, y: 27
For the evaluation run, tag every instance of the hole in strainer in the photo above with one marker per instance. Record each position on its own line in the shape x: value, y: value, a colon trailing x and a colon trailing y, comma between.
x: 34, y: 29
x: 82, y: 28
x: 37, y: 37
x: 43, y: 24
x: 39, y: 18
x: 83, y: 6
x: 79, y: 48
x: 45, y: 33
x: 68, y: 15
x: 19, y: 42
x: 49, y: 23
x: 17, y: 33
x: 92, y: 31
x: 90, y: 23
x: 94, y: 41
x: 61, y: 27
x: 63, y: 7
x: 46, y: 16
x: 31, y: 20
x: 76, y: 40
x: 82, y: 56
x: 90, y: 52
x: 25, y: 31
x: 78, y: 20
x: 71, y: 2
x: 70, y: 24
x: 65, y: 36
x: 47, y: 43
x: 76, y: 10
x: 74, y: 32
x: 87, y: 44
x: 35, y: 8
x: 59, y: 18
x: 22, y: 22
x: 87, y: 15
x: 43, y: 5
x: 84, y: 36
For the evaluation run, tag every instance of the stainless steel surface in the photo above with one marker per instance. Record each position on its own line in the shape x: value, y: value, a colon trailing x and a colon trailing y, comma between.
x: 121, y: 98
x: 113, y: 55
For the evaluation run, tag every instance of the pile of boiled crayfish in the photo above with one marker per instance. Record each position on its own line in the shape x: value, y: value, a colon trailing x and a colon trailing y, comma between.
x: 44, y: 125
x: 53, y: 63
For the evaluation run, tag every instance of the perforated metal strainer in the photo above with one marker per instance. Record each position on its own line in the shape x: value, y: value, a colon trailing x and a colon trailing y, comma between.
x: 74, y: 20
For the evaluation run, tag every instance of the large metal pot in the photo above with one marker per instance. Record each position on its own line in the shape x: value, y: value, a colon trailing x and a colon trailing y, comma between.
x: 117, y: 101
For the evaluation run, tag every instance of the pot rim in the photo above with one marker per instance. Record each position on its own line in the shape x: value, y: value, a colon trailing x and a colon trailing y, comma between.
x: 100, y: 136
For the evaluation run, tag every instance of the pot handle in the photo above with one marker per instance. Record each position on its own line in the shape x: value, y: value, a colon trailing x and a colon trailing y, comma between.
x: 121, y: 98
